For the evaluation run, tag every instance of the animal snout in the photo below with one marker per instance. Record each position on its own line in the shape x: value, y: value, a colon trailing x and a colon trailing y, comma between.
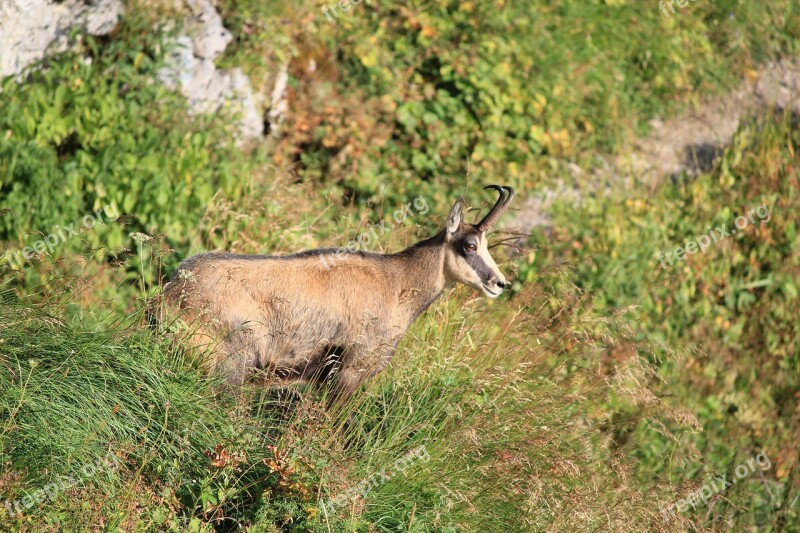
x: 495, y: 285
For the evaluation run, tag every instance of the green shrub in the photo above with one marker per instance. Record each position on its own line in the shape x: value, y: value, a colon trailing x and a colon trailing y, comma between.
x: 401, y: 94
x: 94, y: 128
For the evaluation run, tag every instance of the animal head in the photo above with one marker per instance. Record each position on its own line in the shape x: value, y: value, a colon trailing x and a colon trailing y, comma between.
x: 467, y: 258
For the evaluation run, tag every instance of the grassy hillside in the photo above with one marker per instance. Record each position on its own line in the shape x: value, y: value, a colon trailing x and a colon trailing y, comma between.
x: 608, y: 385
x: 509, y: 414
x: 735, y: 304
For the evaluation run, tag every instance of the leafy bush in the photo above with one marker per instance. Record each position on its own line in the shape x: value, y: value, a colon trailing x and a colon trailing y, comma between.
x: 94, y: 128
x: 399, y: 95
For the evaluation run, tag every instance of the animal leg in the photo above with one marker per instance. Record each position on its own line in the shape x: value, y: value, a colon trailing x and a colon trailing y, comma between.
x: 347, y: 381
x: 358, y: 367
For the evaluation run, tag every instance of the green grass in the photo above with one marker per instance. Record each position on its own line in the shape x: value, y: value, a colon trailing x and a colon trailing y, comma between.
x: 497, y: 409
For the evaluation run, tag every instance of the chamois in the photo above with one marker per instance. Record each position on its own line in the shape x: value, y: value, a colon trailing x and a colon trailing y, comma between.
x: 294, y: 318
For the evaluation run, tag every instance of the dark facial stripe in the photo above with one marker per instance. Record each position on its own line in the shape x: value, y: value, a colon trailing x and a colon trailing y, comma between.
x: 477, y: 264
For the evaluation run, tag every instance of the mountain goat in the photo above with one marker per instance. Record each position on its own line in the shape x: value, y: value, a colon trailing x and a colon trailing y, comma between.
x: 293, y: 318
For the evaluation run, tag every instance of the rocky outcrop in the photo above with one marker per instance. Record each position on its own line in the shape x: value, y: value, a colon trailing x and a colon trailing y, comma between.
x: 31, y: 29
x: 191, y: 69
x: 279, y: 103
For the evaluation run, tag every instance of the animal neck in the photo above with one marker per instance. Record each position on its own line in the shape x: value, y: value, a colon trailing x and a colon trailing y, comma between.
x: 421, y: 277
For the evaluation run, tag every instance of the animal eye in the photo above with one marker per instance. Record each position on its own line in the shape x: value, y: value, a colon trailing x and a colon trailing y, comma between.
x: 470, y: 247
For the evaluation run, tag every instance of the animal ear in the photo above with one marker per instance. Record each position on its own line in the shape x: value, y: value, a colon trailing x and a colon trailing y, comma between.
x: 454, y: 218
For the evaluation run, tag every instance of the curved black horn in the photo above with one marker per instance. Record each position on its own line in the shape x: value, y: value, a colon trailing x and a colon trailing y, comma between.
x: 506, y: 195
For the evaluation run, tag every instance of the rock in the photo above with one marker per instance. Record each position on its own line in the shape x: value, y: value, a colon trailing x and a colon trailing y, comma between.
x: 779, y: 86
x: 31, y: 29
x: 279, y: 107
x: 190, y: 68
x: 209, y: 35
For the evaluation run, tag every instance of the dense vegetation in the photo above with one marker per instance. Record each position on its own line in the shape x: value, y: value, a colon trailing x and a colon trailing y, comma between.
x: 606, y: 387
x: 736, y: 304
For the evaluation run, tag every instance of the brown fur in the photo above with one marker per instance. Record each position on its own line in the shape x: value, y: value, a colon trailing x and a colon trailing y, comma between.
x: 295, y: 318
